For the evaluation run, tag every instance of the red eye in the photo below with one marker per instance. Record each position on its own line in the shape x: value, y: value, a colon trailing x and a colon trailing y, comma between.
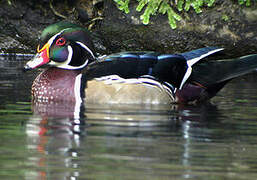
x: 61, y: 41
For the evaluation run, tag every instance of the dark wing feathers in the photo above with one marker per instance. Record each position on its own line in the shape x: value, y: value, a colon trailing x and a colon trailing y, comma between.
x: 214, y: 72
x: 202, y: 52
x: 170, y: 68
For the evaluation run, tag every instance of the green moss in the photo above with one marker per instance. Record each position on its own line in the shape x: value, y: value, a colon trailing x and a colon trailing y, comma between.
x: 9, y: 2
x: 246, y: 2
x: 123, y: 5
x: 171, y: 8
x: 225, y: 17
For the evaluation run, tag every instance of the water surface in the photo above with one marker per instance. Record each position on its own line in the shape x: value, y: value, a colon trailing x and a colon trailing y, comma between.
x: 46, y: 141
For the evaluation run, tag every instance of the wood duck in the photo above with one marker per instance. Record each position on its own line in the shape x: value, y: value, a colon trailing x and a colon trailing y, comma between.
x: 75, y: 74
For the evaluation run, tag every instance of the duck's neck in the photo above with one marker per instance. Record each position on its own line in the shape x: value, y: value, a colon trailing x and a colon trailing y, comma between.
x: 55, y: 85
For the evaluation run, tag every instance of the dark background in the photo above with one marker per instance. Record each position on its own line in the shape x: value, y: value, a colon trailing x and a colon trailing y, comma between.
x: 112, y: 30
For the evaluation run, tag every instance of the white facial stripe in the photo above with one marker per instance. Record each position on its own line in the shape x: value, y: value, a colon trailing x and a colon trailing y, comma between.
x: 51, y: 40
x: 85, y: 47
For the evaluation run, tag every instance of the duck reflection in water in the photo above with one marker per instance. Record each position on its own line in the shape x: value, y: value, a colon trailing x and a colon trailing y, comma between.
x: 55, y: 131
x: 62, y: 133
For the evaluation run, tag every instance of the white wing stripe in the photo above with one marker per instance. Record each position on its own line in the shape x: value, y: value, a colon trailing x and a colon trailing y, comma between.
x: 186, y: 76
x: 191, y: 62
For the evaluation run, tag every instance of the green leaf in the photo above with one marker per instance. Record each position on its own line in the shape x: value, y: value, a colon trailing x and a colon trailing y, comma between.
x: 175, y: 15
x: 171, y: 18
x: 141, y: 5
x: 224, y: 17
x: 241, y: 2
x: 196, y: 6
x: 145, y: 18
x: 210, y: 3
x: 163, y: 7
x: 180, y: 5
x: 123, y: 5
x: 187, y: 5
x: 199, y: 2
x: 152, y: 7
x: 248, y: 2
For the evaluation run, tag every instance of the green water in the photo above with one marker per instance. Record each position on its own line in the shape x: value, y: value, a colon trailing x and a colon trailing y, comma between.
x: 106, y: 142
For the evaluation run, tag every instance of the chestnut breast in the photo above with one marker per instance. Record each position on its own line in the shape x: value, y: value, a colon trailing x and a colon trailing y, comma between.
x: 54, y: 84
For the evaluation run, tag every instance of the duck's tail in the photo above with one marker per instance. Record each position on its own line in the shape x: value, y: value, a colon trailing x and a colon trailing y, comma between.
x: 212, y: 72
x: 193, y: 57
x: 213, y: 75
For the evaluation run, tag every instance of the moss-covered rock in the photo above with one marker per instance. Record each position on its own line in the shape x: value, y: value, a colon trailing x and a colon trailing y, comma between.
x: 236, y: 32
x: 226, y: 24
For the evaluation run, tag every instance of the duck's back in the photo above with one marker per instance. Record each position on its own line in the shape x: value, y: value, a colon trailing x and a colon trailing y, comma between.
x: 134, y: 78
x: 168, y: 68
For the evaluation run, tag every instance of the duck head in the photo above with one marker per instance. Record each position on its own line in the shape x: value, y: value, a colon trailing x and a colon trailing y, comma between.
x: 63, y: 45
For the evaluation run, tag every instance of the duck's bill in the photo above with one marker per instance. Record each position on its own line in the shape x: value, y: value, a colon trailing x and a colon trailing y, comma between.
x: 38, y: 60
